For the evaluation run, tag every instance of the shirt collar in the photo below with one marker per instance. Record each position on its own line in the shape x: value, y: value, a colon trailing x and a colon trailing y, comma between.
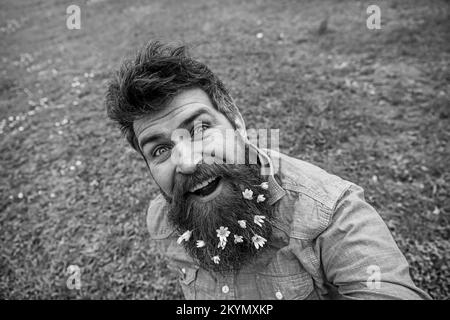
x: 270, y: 168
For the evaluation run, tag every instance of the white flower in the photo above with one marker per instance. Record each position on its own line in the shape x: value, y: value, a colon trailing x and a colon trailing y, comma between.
x: 264, y: 185
x: 242, y: 223
x: 238, y: 239
x: 259, y: 220
x: 200, y: 243
x: 216, y: 259
x: 260, y: 198
x: 222, y: 244
x: 223, y: 233
x: 184, y: 237
x: 258, y: 241
x: 248, y: 194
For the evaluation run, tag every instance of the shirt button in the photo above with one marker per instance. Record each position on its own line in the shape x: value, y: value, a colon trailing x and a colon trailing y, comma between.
x: 225, y: 289
x: 279, y: 295
x: 183, y: 270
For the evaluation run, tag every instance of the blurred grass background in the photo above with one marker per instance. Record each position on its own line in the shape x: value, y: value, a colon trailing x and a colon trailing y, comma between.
x: 369, y: 105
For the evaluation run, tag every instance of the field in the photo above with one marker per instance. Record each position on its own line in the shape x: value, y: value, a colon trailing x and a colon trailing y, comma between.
x: 372, y: 106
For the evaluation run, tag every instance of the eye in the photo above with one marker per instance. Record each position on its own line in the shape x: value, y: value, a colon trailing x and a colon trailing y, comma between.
x: 199, y: 129
x: 160, y: 150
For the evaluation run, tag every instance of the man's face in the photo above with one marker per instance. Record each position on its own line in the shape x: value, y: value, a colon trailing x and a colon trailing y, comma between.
x: 210, y: 201
x: 168, y: 153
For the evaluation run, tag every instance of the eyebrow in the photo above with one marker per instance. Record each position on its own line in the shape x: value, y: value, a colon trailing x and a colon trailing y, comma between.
x: 184, y: 124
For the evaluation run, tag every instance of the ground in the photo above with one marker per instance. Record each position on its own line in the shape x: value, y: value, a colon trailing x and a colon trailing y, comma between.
x: 369, y: 105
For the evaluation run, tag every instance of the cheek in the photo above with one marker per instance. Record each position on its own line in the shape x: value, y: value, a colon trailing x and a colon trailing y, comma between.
x: 163, y: 176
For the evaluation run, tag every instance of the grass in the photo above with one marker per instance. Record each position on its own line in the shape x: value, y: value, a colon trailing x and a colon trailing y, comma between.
x: 369, y: 105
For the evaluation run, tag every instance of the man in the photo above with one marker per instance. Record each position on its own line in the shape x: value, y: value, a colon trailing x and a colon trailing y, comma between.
x: 238, y: 221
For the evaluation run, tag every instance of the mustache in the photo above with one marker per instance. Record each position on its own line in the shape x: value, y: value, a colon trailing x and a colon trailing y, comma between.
x: 183, y: 183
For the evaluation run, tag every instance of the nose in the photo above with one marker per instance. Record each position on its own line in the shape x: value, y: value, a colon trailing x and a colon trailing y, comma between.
x: 186, y: 157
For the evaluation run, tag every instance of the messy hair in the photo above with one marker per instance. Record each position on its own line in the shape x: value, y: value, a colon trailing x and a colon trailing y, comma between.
x: 149, y: 81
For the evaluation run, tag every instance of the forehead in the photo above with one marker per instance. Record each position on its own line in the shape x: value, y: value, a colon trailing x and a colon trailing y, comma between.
x: 181, y: 106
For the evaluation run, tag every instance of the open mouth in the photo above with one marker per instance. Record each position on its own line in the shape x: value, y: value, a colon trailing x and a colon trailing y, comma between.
x: 207, y: 189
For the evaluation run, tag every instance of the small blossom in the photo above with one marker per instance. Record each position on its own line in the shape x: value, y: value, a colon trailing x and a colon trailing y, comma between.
x: 184, y: 237
x: 78, y: 163
x: 20, y: 195
x: 216, y: 259
x: 238, y: 239
x: 259, y: 220
x: 248, y: 194
x: 258, y: 241
x: 223, y: 233
x: 260, y: 198
x: 242, y: 223
x: 222, y: 244
x: 264, y: 185
x: 200, y: 243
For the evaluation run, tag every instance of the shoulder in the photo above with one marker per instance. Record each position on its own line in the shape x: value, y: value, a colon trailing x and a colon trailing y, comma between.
x: 157, y: 219
x: 309, y: 179
x: 312, y: 194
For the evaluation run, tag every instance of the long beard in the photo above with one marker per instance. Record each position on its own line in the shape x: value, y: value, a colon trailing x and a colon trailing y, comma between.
x: 203, y: 219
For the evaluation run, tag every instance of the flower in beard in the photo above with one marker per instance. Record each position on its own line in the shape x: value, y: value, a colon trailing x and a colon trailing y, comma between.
x: 223, y: 233
x: 242, y: 223
x: 248, y: 194
x: 258, y: 241
x: 184, y: 237
x: 264, y: 185
x: 259, y: 220
x: 238, y: 239
x: 200, y: 243
x: 222, y: 244
x: 216, y: 259
x: 260, y: 198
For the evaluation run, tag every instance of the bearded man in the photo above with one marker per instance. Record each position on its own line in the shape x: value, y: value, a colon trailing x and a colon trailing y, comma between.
x: 266, y: 227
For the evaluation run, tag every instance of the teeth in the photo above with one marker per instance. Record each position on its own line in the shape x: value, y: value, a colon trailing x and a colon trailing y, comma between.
x: 202, y: 184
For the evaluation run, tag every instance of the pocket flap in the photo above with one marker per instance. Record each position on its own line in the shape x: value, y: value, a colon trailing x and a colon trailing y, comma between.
x: 187, y: 275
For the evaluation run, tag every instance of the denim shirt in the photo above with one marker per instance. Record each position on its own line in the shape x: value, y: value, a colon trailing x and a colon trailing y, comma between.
x: 327, y: 243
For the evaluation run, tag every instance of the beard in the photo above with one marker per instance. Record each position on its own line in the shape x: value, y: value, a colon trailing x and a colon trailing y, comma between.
x: 227, y: 209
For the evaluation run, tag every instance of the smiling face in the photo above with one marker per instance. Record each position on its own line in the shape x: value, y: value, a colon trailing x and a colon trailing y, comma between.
x: 205, y: 197
x: 167, y: 153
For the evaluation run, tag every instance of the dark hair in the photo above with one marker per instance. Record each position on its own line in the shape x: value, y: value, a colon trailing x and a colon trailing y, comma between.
x: 150, y: 80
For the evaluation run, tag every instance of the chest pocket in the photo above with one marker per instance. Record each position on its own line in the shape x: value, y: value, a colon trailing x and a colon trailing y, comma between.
x: 293, y: 287
x: 187, y: 278
x: 196, y: 283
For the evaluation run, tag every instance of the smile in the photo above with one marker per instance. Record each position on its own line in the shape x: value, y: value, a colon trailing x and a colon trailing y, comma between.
x: 208, y: 189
